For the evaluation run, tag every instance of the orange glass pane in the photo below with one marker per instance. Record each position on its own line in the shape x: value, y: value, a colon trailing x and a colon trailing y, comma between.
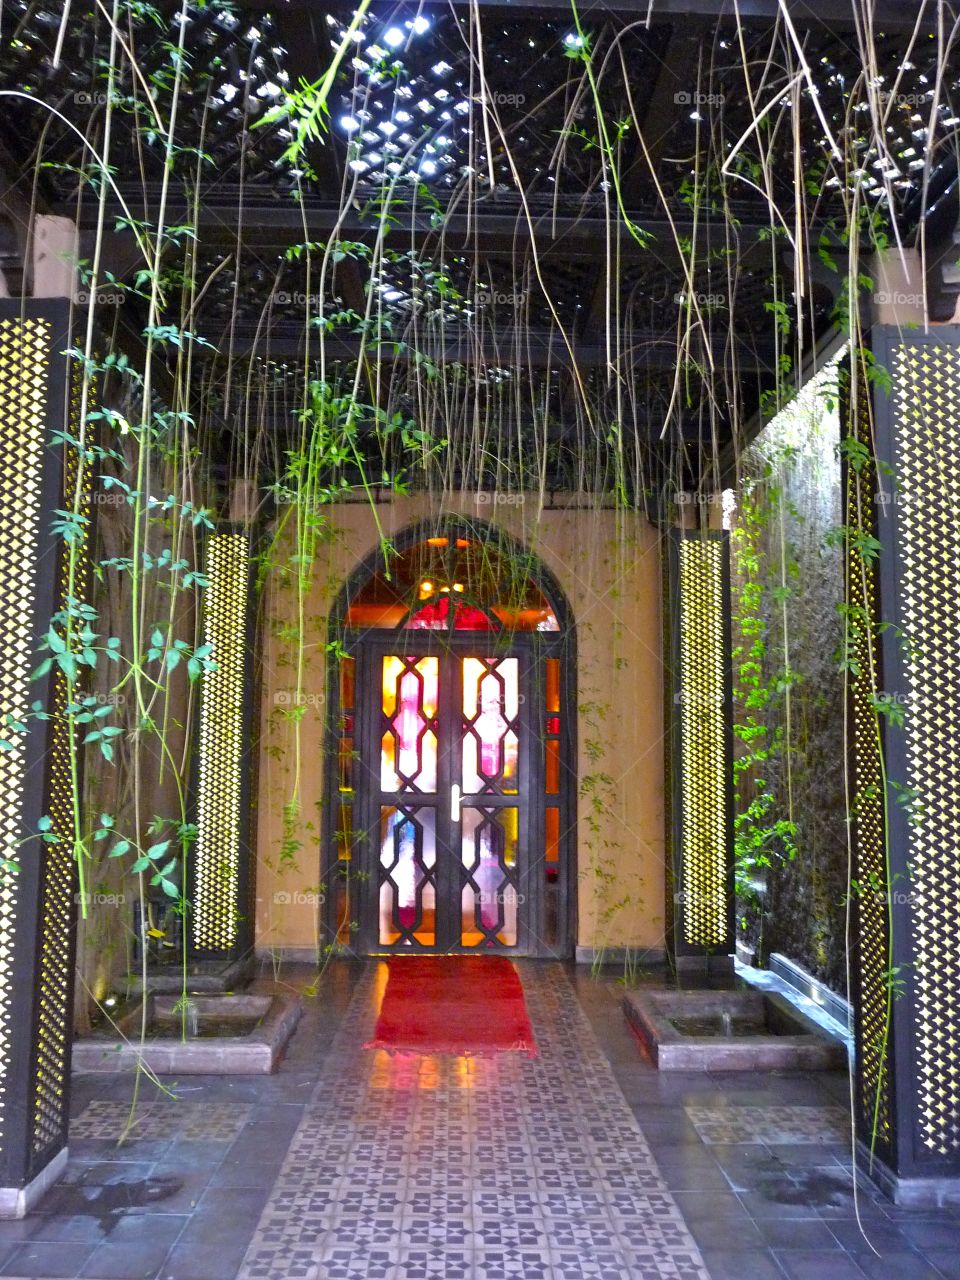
x: 553, y: 835
x: 346, y: 764
x: 348, y: 669
x: 553, y: 766
x: 553, y: 686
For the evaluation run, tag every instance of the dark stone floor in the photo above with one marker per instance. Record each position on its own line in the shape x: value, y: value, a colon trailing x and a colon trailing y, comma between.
x: 181, y: 1199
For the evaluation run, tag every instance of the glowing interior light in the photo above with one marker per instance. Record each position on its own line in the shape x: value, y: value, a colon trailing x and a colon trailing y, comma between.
x: 458, y: 586
x: 426, y: 588
x: 428, y: 167
x: 420, y: 24
x: 349, y: 123
x: 394, y: 37
x: 572, y: 40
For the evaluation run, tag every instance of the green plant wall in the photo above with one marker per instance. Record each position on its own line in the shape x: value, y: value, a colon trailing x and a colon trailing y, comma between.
x: 787, y: 584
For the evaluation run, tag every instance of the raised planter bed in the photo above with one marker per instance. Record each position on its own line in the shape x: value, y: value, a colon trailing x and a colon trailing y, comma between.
x: 729, y: 1031
x: 229, y: 1035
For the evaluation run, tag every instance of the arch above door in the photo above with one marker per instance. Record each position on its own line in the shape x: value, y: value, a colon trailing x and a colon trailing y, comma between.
x: 450, y: 776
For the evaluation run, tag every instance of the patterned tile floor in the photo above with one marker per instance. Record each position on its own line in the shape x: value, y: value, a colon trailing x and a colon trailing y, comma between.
x: 454, y: 1167
x: 585, y: 1162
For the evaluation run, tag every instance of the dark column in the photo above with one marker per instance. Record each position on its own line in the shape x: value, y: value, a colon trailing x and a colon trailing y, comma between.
x: 904, y: 599
x: 700, y: 907
x: 37, y: 902
x: 220, y: 873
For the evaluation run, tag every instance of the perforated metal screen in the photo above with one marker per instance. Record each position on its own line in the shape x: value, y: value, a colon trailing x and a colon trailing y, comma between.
x: 926, y: 379
x: 701, y: 770
x: 217, y: 873
x: 870, y: 960
x: 54, y: 1012
x: 24, y: 355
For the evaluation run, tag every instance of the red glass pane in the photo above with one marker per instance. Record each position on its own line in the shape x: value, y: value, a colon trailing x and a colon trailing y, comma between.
x: 553, y: 724
x: 435, y: 616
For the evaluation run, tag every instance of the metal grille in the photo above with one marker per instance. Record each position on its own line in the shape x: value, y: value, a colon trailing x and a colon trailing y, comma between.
x: 24, y: 348
x: 927, y: 462
x: 53, y: 1014
x: 704, y: 784
x: 872, y: 959
x: 216, y: 855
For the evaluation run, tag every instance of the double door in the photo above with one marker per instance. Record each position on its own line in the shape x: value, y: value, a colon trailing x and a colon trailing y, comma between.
x: 448, y: 763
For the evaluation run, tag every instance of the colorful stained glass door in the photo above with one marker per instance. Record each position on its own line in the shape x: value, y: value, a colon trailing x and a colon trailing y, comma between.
x: 451, y: 758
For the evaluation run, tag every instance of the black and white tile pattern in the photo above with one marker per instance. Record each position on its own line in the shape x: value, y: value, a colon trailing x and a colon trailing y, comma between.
x: 410, y: 1168
x: 773, y: 1126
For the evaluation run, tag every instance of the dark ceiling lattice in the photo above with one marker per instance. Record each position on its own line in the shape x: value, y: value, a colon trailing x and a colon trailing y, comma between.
x: 506, y: 252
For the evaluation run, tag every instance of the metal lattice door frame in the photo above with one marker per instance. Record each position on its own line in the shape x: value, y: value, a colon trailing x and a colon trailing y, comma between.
x: 559, y: 647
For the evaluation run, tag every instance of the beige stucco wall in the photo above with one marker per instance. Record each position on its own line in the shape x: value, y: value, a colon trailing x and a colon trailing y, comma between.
x: 608, y: 565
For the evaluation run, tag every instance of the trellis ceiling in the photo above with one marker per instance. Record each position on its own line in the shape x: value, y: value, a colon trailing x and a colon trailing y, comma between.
x: 500, y: 253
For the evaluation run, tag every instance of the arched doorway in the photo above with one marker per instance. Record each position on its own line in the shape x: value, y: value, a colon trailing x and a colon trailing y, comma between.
x: 451, y: 777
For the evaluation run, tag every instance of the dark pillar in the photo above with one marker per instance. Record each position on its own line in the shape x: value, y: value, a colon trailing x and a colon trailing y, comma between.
x: 37, y: 901
x: 220, y: 873
x: 700, y: 907
x: 904, y: 608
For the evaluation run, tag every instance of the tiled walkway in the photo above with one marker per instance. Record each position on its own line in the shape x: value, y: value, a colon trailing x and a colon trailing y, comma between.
x: 460, y: 1167
x: 584, y: 1162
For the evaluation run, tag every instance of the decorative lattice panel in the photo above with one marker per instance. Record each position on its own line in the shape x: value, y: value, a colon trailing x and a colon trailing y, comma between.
x: 926, y: 434
x: 703, y: 877
x: 24, y: 348
x: 220, y: 747
x: 871, y: 962
x: 54, y: 991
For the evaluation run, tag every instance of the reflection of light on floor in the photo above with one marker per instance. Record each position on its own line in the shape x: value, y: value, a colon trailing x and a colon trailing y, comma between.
x: 429, y: 1072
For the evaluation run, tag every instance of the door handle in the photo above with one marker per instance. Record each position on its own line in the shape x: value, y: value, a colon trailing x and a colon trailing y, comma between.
x: 455, y: 802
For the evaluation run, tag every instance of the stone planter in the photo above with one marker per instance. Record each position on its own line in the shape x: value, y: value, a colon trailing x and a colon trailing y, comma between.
x: 238, y: 1049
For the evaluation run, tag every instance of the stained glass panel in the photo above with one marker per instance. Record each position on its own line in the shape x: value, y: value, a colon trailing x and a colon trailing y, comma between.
x: 408, y: 745
x: 489, y: 899
x: 491, y: 706
x: 408, y: 887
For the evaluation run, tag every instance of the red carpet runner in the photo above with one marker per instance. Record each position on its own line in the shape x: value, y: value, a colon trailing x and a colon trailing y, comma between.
x: 453, y: 1004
